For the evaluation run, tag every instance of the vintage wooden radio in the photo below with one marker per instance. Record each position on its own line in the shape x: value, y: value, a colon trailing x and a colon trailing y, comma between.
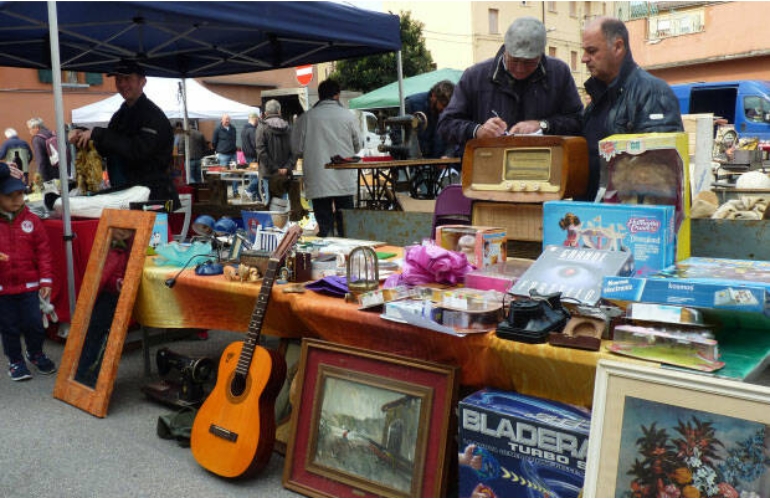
x: 512, y: 176
x: 525, y: 168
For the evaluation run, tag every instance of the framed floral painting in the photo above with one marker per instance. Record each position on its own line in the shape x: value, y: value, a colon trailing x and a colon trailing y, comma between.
x: 664, y: 433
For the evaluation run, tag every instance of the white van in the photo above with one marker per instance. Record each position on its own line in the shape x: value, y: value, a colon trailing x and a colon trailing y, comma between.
x: 370, y: 139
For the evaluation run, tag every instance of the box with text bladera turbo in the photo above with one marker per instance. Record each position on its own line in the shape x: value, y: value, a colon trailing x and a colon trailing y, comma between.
x: 513, y: 445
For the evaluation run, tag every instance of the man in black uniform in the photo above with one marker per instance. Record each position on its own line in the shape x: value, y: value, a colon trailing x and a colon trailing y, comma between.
x: 138, y: 142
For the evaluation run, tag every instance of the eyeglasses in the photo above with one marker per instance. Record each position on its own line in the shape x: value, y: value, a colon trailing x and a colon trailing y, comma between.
x: 511, y: 62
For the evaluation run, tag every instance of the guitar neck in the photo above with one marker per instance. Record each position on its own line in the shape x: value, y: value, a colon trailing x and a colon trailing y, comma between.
x: 257, y: 317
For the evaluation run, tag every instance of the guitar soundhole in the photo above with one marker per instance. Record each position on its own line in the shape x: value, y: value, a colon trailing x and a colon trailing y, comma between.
x: 238, y: 385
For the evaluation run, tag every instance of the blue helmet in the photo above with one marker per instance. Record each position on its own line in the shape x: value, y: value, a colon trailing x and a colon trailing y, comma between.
x: 225, y: 225
x: 204, y: 225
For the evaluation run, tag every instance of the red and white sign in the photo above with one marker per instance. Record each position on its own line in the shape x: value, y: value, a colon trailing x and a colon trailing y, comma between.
x: 304, y: 74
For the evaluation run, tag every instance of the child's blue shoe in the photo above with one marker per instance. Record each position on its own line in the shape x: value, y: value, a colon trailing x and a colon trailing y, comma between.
x: 18, y: 371
x: 43, y: 364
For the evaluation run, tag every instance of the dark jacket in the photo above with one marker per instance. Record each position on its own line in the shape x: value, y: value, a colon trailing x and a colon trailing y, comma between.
x: 40, y: 153
x: 431, y: 143
x: 138, y: 144
x: 224, y: 139
x: 548, y: 94
x: 30, y: 265
x: 248, y: 141
x: 636, y: 102
x: 274, y: 146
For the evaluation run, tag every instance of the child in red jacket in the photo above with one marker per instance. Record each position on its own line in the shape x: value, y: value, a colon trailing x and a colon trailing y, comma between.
x: 26, y: 275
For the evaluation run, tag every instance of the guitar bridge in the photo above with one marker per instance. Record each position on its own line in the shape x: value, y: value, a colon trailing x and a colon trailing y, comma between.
x: 223, y: 433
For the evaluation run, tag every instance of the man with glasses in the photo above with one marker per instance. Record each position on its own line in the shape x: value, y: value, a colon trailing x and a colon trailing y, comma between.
x: 624, y: 97
x: 519, y: 91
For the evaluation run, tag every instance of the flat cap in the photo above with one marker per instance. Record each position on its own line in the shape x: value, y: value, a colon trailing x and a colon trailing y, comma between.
x: 525, y: 38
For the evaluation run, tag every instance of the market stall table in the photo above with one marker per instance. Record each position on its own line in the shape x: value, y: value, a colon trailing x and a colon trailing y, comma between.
x: 377, y: 180
x: 212, y: 302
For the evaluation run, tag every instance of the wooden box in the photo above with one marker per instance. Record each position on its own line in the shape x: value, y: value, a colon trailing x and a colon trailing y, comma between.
x: 525, y: 168
x: 522, y: 222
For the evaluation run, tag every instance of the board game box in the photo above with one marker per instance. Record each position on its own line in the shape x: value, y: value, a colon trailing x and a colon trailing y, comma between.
x: 719, y: 283
x: 514, y: 445
x: 647, y: 231
x: 574, y: 272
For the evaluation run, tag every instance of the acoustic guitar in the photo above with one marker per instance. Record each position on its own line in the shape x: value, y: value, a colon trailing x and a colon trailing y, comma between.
x: 234, y: 430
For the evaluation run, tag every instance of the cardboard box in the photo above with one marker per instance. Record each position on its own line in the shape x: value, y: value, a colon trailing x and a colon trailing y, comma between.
x: 726, y: 295
x: 528, y: 447
x: 574, y: 272
x: 647, y: 231
x: 499, y: 277
x: 692, y: 348
x: 484, y: 246
x: 650, y: 168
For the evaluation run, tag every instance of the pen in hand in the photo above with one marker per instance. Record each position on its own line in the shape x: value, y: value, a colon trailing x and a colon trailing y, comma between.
x: 498, y: 116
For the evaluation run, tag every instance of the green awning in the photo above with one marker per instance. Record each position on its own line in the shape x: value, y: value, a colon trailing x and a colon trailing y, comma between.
x: 387, y: 96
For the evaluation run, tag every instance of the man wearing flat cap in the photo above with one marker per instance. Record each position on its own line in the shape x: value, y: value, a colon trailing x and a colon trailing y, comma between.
x: 520, y: 91
x: 138, y: 142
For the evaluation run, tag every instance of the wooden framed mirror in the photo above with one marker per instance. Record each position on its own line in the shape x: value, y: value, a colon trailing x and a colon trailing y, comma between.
x: 103, y: 310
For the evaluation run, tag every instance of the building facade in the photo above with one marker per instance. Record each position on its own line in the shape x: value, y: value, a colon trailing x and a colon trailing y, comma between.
x: 460, y: 34
x: 700, y: 41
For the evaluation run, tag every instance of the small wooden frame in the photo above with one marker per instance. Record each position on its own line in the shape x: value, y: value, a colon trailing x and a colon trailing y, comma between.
x: 369, y: 423
x: 95, y: 400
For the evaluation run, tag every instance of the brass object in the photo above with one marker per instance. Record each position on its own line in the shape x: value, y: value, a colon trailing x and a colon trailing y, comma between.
x: 362, y: 271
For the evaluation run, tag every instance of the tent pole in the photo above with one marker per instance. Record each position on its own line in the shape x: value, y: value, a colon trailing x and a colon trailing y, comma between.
x: 400, y: 68
x: 53, y: 28
x: 186, y: 128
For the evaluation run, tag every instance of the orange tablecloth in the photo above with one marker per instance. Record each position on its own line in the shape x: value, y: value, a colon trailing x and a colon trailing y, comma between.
x: 211, y: 302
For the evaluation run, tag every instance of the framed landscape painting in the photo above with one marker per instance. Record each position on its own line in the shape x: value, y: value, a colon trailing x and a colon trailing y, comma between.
x: 367, y: 423
x: 664, y: 433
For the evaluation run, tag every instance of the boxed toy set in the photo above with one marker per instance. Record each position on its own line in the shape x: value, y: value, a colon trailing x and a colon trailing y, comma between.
x: 484, y: 246
x: 646, y: 231
x: 574, y: 272
x: 652, y: 169
x: 513, y: 445
x: 718, y: 283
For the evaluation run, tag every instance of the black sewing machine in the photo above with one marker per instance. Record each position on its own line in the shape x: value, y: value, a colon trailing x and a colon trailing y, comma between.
x: 403, y: 136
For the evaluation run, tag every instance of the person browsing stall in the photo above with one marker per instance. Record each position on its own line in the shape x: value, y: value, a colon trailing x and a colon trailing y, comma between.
x: 224, y: 143
x: 40, y: 136
x: 26, y: 277
x: 138, y: 141
x: 624, y: 97
x: 325, y: 131
x: 519, y: 91
x: 273, y: 147
x: 431, y: 103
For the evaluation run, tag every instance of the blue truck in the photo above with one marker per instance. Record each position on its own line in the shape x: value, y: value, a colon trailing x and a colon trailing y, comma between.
x: 744, y: 103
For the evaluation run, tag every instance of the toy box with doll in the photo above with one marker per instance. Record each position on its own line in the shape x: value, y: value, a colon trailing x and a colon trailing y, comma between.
x: 650, y: 168
x: 718, y: 283
x: 513, y: 445
x: 646, y: 231
x: 484, y: 246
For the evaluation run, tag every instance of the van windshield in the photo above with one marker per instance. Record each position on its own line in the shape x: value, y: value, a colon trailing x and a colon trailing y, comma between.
x: 757, y: 109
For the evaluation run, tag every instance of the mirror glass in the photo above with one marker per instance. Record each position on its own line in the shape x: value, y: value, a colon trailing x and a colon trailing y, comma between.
x: 113, y: 273
x: 103, y: 310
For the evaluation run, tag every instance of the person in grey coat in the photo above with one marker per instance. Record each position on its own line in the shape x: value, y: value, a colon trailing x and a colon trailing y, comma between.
x: 325, y: 131
x: 624, y: 97
x: 520, y: 90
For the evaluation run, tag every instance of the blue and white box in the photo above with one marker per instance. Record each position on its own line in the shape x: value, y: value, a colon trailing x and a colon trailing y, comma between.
x: 647, y: 231
x: 513, y: 445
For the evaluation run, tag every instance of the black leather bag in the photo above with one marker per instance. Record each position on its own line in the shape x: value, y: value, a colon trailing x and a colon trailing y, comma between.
x: 531, y: 320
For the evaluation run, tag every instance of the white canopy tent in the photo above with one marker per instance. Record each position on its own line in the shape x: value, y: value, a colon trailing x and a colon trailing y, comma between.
x: 202, y: 103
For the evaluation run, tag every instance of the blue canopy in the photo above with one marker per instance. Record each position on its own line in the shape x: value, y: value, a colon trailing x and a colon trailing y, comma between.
x: 193, y: 39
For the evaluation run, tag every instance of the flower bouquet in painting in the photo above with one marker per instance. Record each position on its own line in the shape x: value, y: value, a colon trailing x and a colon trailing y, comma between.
x: 686, y: 453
